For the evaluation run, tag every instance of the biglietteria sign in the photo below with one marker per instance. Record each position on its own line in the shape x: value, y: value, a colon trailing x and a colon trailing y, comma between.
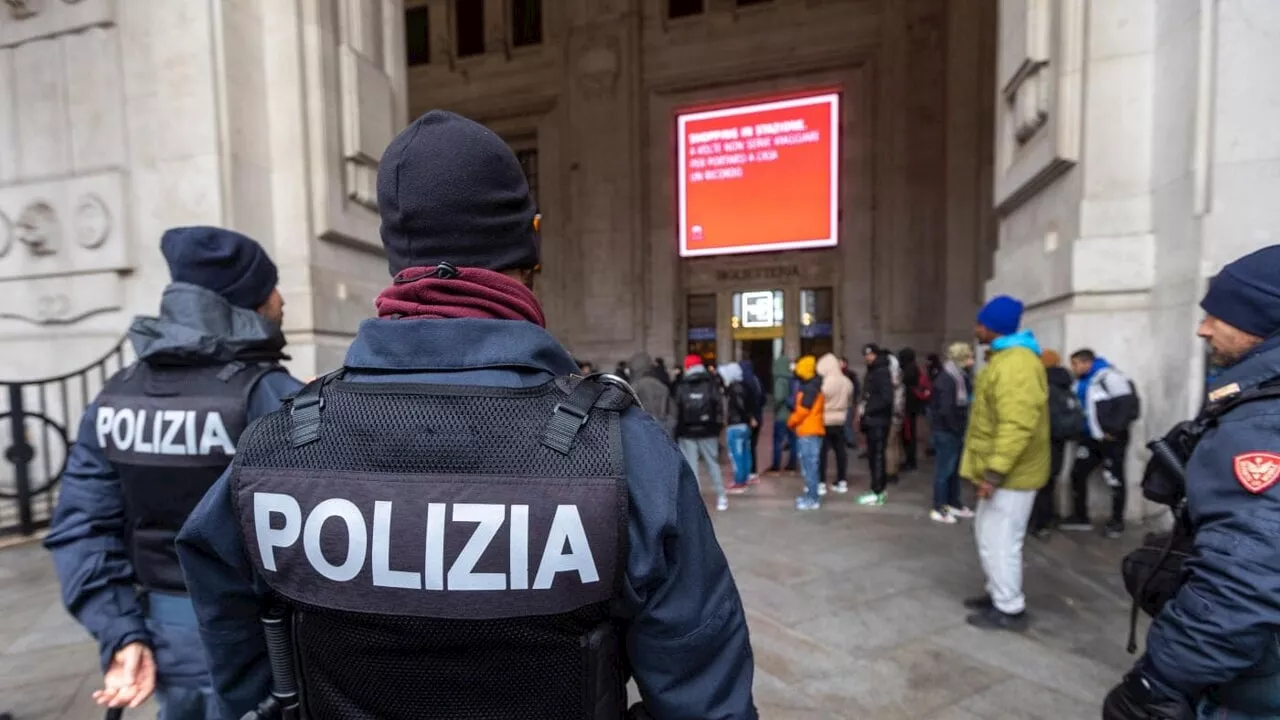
x: 759, y: 177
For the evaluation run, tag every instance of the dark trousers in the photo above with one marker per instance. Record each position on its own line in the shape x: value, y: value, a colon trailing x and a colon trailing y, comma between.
x: 910, y: 427
x: 1091, y: 455
x: 781, y: 436
x: 834, y: 440
x: 1043, y: 512
x: 877, y: 442
x: 755, y: 446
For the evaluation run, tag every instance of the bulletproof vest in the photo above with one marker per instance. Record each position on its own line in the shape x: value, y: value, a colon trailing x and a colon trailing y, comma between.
x: 170, y: 432
x: 444, y: 552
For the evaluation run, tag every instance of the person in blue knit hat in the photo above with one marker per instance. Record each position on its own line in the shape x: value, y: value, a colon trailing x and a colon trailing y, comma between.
x: 1213, y: 649
x: 1006, y: 456
x: 149, y: 446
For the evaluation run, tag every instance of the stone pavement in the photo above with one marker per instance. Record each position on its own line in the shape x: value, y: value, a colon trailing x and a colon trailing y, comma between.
x: 854, y: 613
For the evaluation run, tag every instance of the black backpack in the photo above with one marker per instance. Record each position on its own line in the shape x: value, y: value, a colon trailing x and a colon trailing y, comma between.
x: 1066, y: 417
x: 699, y: 401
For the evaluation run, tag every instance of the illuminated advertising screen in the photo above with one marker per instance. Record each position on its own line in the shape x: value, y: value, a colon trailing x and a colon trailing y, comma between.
x: 759, y: 177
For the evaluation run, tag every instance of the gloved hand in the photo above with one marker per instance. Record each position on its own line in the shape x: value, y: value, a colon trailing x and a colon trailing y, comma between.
x: 1135, y: 699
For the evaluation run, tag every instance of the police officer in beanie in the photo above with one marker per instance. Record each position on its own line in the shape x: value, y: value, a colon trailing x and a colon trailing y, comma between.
x: 149, y: 446
x: 453, y: 524
x: 1213, y: 651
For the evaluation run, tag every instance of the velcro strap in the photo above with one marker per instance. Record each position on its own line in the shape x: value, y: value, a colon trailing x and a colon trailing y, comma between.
x: 570, y: 415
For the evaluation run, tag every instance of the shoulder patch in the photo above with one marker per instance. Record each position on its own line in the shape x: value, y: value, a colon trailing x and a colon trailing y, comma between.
x: 1257, y: 471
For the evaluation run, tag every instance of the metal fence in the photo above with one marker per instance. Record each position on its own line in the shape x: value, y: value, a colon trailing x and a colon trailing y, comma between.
x: 38, y: 423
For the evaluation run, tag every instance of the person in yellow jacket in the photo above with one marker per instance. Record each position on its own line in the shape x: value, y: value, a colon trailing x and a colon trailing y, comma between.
x: 1006, y: 455
x: 810, y: 429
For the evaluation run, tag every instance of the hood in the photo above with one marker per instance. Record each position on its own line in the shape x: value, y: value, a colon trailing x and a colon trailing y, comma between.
x: 806, y: 368
x: 695, y: 370
x: 1022, y: 338
x: 829, y: 364
x: 1060, y: 376
x: 640, y: 363
x: 781, y: 366
x: 196, y: 324
x: 731, y: 373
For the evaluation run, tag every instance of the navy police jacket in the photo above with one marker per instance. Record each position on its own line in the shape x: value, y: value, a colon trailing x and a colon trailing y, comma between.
x: 686, y: 635
x: 1218, y: 636
x: 88, y: 533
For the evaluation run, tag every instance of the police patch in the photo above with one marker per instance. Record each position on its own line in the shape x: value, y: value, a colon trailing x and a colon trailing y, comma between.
x: 1257, y: 471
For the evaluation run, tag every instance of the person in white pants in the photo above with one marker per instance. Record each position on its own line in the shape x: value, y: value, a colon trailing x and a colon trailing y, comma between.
x: 1007, y: 456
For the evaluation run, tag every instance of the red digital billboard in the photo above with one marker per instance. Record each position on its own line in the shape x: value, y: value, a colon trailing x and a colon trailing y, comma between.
x: 759, y: 177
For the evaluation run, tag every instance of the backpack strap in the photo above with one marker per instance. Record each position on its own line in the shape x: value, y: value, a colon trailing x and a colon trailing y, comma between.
x: 599, y: 390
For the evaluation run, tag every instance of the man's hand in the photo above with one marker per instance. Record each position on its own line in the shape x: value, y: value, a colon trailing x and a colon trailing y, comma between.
x: 1134, y: 699
x: 986, y: 490
x: 130, y: 679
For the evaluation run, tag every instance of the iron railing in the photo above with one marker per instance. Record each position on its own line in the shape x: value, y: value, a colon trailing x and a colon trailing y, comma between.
x: 43, y: 417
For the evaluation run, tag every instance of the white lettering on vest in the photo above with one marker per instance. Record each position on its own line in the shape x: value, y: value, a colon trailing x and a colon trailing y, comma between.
x: 269, y: 538
x: 567, y: 548
x: 357, y: 540
x: 129, y: 431
x: 490, y: 518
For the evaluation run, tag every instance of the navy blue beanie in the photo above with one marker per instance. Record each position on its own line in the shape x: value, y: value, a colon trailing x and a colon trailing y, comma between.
x: 224, y: 261
x: 1246, y: 294
x: 1001, y: 315
x: 449, y: 189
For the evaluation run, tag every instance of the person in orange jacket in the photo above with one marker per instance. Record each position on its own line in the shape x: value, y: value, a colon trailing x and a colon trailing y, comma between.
x: 807, y: 422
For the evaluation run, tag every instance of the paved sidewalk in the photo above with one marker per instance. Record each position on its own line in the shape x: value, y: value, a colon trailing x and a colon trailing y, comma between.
x: 854, y: 613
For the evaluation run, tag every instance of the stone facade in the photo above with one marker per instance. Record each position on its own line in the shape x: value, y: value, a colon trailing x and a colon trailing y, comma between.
x: 1136, y: 153
x: 598, y: 97
x: 121, y: 118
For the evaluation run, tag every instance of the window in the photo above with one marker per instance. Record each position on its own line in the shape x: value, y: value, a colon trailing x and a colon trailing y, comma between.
x: 683, y: 8
x: 417, y: 35
x: 526, y: 22
x: 468, y: 20
x: 529, y: 163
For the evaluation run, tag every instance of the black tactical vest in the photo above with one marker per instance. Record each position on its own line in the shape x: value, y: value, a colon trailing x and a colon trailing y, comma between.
x: 169, y: 432
x: 445, y: 552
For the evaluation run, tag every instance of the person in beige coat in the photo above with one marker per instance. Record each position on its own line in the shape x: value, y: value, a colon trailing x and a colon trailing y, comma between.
x: 837, y: 398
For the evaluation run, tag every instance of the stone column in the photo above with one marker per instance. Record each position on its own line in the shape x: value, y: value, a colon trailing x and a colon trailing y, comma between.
x: 120, y: 119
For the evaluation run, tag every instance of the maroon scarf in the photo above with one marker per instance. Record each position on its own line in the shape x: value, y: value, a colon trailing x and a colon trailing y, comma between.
x: 471, y: 293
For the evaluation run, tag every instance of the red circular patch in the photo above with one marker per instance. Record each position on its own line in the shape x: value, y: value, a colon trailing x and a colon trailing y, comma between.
x: 1257, y: 471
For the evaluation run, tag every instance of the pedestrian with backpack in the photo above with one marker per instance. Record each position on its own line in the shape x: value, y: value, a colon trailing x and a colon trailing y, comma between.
x: 1110, y: 404
x: 1065, y: 420
x: 699, y: 420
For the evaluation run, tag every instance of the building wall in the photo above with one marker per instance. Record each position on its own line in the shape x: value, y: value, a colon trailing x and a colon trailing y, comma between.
x: 598, y: 100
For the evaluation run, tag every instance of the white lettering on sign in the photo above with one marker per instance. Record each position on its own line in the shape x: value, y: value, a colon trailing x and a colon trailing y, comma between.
x: 567, y: 550
x: 156, y: 433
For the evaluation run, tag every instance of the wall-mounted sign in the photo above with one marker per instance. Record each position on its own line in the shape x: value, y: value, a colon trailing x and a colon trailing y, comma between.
x: 757, y: 309
x: 757, y: 333
x: 776, y: 272
x: 759, y: 177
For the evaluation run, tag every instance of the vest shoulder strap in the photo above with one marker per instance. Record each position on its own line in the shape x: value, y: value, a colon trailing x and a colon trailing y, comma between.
x: 1214, y: 411
x: 305, y: 407
x: 601, y: 391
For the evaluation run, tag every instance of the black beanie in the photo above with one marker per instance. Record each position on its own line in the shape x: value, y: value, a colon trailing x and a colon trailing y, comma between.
x: 1246, y: 294
x: 224, y: 261
x: 450, y: 190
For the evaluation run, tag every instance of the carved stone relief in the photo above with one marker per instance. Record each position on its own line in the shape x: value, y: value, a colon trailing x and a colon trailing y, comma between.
x: 23, y: 9
x: 39, y: 229
x: 64, y: 226
x: 598, y: 68
x: 92, y: 221
x: 30, y: 19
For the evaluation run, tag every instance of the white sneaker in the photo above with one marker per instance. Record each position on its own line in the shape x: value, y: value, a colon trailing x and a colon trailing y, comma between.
x: 842, y: 487
x: 722, y: 504
x: 941, y: 516
x: 960, y: 512
x: 822, y: 489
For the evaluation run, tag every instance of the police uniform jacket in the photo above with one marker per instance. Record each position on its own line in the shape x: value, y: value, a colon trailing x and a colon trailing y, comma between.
x: 685, y: 631
x: 1217, y: 638
x: 89, y: 530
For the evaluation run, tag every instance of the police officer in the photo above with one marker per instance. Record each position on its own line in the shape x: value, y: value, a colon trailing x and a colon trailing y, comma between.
x: 456, y: 526
x: 149, y: 446
x: 1214, y: 649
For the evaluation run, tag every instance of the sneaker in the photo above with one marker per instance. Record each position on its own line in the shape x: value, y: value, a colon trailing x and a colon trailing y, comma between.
x: 804, y: 504
x: 978, y: 602
x: 871, y: 499
x: 722, y: 504
x: 1114, y: 530
x: 737, y: 489
x: 942, y: 516
x: 961, y: 512
x: 842, y: 487
x: 822, y: 489
x: 993, y: 619
x: 754, y: 479
x: 1076, y: 524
